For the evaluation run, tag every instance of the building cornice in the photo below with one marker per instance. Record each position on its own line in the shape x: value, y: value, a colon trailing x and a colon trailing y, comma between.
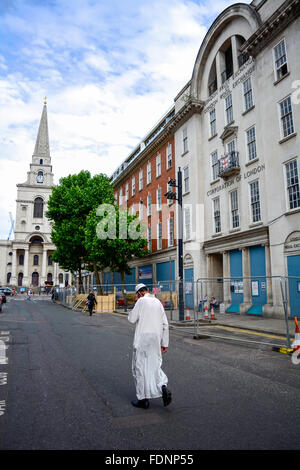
x: 192, y: 106
x: 277, y: 22
x: 238, y: 240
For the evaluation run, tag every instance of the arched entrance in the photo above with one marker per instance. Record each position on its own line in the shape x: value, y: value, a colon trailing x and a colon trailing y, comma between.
x: 35, y: 279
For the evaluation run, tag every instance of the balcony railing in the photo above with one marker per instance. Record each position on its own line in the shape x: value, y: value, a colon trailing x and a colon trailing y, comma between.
x: 212, y: 87
x: 229, y: 164
x: 226, y: 74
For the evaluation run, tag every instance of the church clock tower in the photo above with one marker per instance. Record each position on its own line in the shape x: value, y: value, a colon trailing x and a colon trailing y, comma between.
x: 32, y: 248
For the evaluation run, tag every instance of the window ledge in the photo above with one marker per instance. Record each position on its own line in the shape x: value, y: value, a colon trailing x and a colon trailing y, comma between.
x: 252, y: 161
x: 184, y: 153
x: 280, y: 79
x: 236, y: 229
x: 287, y: 138
x: 212, y: 137
x: 292, y: 211
x: 248, y: 110
x: 215, y: 181
x: 185, y: 194
x: 255, y: 224
x: 219, y: 234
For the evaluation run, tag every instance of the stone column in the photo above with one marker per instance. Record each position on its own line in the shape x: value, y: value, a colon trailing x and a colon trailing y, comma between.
x: 268, y: 275
x: 246, y: 282
x: 220, y: 66
x: 14, y: 268
x: 226, y: 281
x: 55, y: 280
x: 26, y: 267
x: 207, y: 286
x: 235, y: 53
x: 44, y: 265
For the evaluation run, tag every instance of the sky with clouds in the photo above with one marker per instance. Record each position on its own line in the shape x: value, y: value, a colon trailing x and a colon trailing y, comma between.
x: 109, y: 68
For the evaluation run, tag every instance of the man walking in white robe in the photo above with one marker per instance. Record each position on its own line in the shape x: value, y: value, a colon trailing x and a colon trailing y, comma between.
x: 151, y: 339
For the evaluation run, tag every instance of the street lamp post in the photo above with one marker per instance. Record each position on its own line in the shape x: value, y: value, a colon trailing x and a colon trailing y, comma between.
x: 172, y: 195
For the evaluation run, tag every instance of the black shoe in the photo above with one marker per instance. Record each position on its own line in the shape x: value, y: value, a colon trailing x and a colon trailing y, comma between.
x: 166, y: 395
x: 141, y: 403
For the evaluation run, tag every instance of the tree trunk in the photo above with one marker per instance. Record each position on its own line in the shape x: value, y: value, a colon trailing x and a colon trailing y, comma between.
x: 98, y: 280
x: 81, y: 288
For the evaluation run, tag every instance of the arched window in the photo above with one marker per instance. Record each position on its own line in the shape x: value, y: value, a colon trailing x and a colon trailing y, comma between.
x: 49, y: 277
x: 35, y: 279
x: 8, y: 278
x: 36, y: 260
x: 38, y: 209
x: 40, y: 177
x: 41, y: 161
x: 20, y: 279
x: 49, y: 260
x: 21, y: 260
x: 60, y: 278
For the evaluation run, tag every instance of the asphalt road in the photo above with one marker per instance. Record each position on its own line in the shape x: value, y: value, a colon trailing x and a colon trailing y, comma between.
x: 67, y: 384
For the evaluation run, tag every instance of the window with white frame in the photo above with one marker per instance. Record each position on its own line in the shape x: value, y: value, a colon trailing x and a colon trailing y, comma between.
x: 159, y: 235
x: 149, y: 239
x: 292, y: 184
x: 185, y: 140
x: 215, y: 165
x: 148, y: 172
x: 255, y: 201
x: 217, y: 214
x: 251, y: 143
x: 158, y: 165
x: 126, y: 192
x: 280, y: 58
x: 229, y: 109
x: 158, y: 199
x: 286, y: 117
x: 169, y: 156
x: 234, y: 206
x: 149, y: 205
x: 248, y: 94
x: 213, y: 122
x: 133, y: 186
x: 170, y: 231
x: 140, y: 180
x: 141, y: 210
x: 186, y: 179
x: 187, y: 223
x: 116, y: 198
x: 121, y: 197
x: 231, y: 146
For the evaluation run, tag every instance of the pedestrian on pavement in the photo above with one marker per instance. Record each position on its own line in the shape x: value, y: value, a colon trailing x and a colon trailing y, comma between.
x: 28, y: 294
x: 151, y: 339
x: 91, y: 301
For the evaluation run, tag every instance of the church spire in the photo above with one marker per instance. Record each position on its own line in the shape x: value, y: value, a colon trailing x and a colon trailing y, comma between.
x: 42, y: 149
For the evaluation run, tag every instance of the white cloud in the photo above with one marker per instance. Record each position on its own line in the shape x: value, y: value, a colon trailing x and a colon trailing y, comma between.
x: 109, y: 71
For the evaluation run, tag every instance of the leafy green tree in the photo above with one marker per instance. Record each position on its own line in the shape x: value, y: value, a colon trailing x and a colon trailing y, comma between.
x: 68, y: 207
x: 113, y: 238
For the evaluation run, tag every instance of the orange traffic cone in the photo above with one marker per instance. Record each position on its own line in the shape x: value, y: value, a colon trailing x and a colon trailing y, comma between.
x: 206, y: 313
x: 296, y: 343
x: 212, y: 314
x: 187, y: 317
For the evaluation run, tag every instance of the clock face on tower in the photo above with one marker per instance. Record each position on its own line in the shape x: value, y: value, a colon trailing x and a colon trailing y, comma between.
x: 40, y: 177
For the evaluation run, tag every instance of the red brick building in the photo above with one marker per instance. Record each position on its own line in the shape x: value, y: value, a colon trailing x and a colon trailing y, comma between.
x: 140, y: 184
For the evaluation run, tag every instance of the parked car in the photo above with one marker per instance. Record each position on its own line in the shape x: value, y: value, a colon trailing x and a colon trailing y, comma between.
x: 6, y: 290
x: 2, y: 299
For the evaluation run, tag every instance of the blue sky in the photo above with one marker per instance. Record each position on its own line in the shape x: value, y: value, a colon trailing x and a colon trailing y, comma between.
x: 109, y: 68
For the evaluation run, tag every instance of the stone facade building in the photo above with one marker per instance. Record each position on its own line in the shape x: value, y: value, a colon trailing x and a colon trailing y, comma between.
x: 26, y: 260
x: 241, y: 114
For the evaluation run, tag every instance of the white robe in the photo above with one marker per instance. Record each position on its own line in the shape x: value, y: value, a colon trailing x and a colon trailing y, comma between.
x: 151, y: 332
